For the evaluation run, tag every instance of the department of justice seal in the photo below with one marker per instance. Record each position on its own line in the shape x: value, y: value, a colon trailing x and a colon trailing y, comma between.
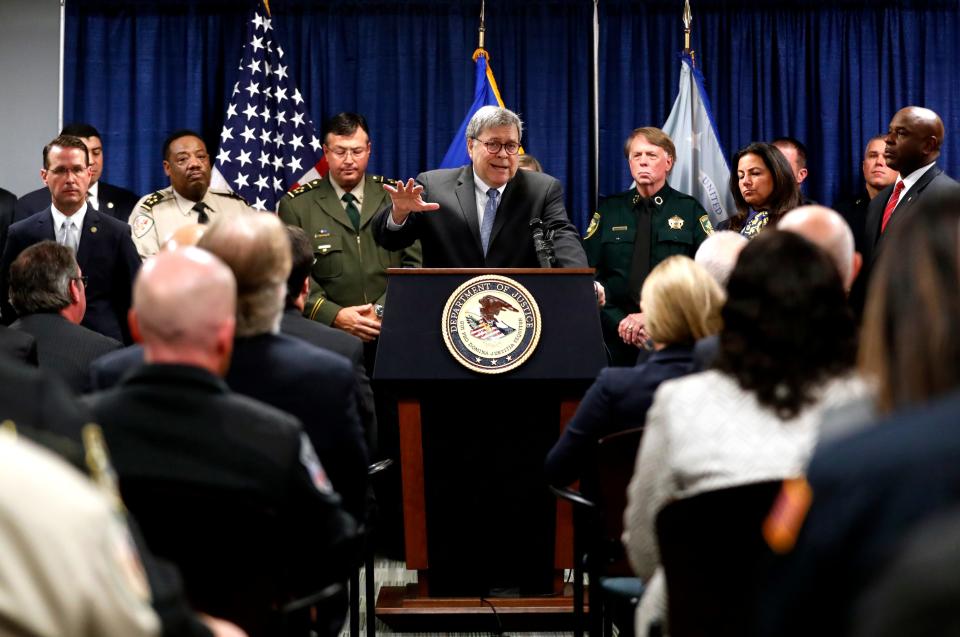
x: 491, y: 324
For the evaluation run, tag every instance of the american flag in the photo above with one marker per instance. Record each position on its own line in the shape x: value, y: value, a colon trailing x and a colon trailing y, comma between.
x: 268, y: 144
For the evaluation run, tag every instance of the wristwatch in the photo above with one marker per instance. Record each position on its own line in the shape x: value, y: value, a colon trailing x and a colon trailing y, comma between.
x: 378, y: 310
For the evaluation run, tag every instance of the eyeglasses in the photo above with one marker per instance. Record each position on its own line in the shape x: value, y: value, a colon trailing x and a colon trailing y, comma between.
x: 493, y: 148
x: 82, y: 279
x: 341, y: 153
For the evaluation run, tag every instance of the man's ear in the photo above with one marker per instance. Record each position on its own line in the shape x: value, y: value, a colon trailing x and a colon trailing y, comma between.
x: 166, y: 167
x: 855, y: 270
x: 305, y: 288
x: 134, y: 326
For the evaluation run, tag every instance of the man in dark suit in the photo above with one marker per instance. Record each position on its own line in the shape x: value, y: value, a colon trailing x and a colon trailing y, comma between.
x: 47, y: 289
x: 102, y: 244
x: 484, y: 209
x: 315, y: 385
x: 912, y: 148
x: 103, y: 197
x: 294, y: 323
x: 177, y: 434
x: 869, y: 491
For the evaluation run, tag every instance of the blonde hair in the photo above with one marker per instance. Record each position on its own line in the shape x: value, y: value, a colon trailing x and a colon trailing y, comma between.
x: 681, y: 302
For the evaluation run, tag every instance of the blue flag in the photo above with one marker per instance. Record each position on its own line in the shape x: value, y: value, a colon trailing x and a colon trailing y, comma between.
x: 700, y: 169
x: 485, y: 93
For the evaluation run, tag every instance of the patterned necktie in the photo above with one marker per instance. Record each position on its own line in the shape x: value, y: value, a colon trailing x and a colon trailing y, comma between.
x: 201, y: 210
x: 352, y: 210
x: 69, y: 233
x: 489, y: 214
x: 891, y: 204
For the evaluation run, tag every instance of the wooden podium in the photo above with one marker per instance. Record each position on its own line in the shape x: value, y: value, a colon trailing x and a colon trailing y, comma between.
x: 488, y: 540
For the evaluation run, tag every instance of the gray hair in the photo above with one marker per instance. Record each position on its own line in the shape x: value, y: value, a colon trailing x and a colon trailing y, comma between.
x: 718, y: 254
x: 40, y: 278
x: 492, y: 117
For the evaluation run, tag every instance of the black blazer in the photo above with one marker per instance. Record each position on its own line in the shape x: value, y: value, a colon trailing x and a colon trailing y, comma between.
x: 18, y: 346
x: 450, y: 236
x: 114, y: 201
x: 8, y: 202
x: 107, y: 257
x: 933, y: 183
x: 65, y: 349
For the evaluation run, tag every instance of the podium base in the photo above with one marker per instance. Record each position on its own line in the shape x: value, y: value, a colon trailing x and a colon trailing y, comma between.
x: 408, y: 609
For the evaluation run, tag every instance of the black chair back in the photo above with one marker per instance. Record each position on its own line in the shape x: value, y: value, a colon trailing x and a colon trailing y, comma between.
x: 714, y: 558
x: 616, y: 457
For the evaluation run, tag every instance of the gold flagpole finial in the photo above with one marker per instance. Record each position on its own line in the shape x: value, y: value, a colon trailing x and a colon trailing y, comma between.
x: 266, y: 5
x: 483, y: 10
x: 687, y: 21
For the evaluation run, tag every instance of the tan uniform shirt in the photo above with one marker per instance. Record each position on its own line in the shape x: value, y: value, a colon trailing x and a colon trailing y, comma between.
x: 157, y: 215
x: 69, y: 567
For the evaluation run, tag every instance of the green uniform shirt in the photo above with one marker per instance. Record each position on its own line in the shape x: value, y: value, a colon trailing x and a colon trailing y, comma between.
x: 349, y: 267
x: 679, y: 226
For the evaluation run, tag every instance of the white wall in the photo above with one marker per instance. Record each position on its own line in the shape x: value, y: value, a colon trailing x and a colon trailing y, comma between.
x: 29, y: 88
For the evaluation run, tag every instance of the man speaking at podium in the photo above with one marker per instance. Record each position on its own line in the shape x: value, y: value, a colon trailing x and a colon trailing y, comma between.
x: 484, y: 210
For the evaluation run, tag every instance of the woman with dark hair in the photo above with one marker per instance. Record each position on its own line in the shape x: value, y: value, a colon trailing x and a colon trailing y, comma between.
x: 763, y: 187
x: 787, y: 349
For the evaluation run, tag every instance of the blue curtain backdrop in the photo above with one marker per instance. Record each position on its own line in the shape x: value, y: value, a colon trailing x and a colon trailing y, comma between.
x: 830, y: 73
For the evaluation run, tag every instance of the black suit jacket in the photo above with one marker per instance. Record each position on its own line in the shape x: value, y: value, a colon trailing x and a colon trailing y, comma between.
x: 450, y: 236
x: 7, y: 205
x: 350, y: 347
x: 313, y: 384
x: 107, y: 257
x: 114, y: 201
x: 18, y: 346
x: 178, y: 434
x: 65, y: 349
x: 870, y: 490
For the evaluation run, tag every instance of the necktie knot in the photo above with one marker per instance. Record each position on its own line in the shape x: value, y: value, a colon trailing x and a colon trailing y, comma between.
x: 348, y: 197
x: 201, y: 210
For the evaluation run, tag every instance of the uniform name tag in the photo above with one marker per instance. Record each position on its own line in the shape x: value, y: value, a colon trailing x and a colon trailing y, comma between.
x: 619, y: 228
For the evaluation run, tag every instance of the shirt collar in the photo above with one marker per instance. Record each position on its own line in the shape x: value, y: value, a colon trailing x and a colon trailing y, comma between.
x: 482, y: 186
x: 356, y: 192
x: 59, y: 217
x: 910, y: 180
x: 186, y: 205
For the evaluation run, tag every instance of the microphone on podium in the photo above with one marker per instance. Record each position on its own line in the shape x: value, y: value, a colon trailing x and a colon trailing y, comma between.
x: 543, y: 245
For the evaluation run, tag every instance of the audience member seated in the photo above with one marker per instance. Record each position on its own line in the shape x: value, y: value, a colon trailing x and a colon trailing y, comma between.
x: 49, y: 293
x: 101, y: 244
x: 718, y: 254
x: 786, y: 351
x: 179, y: 438
x: 826, y: 229
x: 873, y: 487
x: 764, y: 188
x: 294, y: 323
x: 681, y: 302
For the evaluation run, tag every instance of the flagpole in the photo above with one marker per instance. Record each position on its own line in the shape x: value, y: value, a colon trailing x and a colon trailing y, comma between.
x: 266, y: 5
x: 687, y: 21
x: 481, y: 33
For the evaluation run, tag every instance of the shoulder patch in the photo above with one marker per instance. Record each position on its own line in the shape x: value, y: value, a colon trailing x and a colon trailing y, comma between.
x: 310, y: 462
x: 153, y: 200
x: 594, y: 224
x: 380, y: 179
x: 141, y: 224
x: 299, y: 190
x: 706, y: 225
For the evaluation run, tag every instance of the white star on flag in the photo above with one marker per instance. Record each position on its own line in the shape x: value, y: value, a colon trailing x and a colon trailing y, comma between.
x: 265, y: 90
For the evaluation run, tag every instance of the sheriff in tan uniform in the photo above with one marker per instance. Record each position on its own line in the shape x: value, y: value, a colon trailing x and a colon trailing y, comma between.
x: 189, y: 198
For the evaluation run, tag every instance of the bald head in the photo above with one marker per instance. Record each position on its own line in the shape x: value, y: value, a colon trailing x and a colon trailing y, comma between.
x: 913, y: 139
x: 188, y: 235
x: 828, y: 230
x: 256, y: 248
x: 718, y: 254
x: 184, y: 305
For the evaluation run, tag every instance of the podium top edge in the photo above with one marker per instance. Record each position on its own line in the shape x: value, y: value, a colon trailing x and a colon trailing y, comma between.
x: 479, y: 271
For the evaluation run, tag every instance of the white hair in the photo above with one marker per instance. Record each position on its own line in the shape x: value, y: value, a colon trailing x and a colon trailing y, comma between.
x: 718, y: 254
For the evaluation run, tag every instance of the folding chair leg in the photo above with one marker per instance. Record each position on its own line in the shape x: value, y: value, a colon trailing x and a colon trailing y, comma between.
x: 371, y: 593
x: 355, y: 603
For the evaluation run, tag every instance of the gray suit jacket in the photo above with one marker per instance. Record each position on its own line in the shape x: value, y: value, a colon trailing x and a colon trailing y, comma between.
x: 450, y: 236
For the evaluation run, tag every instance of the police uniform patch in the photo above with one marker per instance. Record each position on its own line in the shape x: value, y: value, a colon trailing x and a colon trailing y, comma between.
x: 152, y: 200
x: 141, y: 225
x: 491, y: 324
x: 299, y: 190
x: 380, y: 179
x: 594, y: 224
x: 706, y: 225
x: 675, y: 222
x: 310, y: 461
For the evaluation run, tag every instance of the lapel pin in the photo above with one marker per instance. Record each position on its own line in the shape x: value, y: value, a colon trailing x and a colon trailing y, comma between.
x: 109, y: 204
x: 93, y: 229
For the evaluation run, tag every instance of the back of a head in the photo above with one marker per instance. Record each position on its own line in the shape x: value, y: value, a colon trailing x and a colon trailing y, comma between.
x: 718, y: 254
x: 828, y: 230
x: 257, y: 249
x: 40, y: 278
x: 910, y: 343
x: 681, y: 302
x: 302, y: 261
x: 182, y: 299
x: 787, y: 325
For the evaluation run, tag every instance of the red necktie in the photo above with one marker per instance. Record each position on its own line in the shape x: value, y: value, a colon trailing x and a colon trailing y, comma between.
x: 891, y: 204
